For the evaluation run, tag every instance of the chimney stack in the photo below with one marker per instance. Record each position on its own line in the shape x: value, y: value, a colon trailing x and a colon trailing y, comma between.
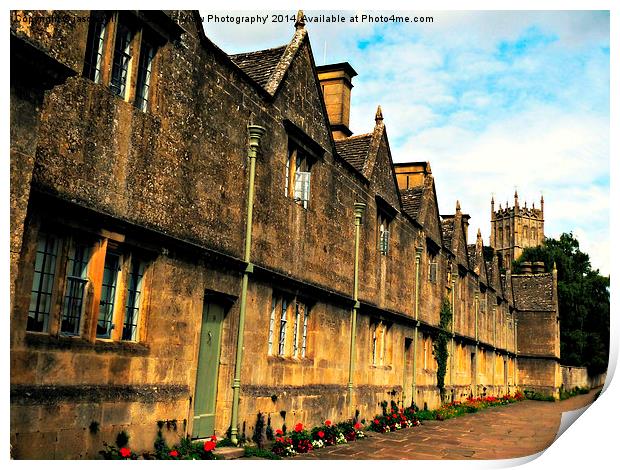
x: 336, y: 86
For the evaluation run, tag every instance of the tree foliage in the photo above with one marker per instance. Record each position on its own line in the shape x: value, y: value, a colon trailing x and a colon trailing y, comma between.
x: 583, y: 297
x: 440, y: 345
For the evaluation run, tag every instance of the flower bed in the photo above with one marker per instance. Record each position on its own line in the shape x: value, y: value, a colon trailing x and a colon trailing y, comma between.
x: 185, y: 450
x: 300, y: 440
x: 395, y: 418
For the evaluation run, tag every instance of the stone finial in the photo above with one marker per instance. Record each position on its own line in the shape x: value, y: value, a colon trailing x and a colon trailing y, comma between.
x: 300, y: 22
x: 378, y: 115
x: 479, y: 235
x: 458, y: 206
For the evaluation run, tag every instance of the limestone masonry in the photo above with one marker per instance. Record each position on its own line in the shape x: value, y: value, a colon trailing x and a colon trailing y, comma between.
x: 143, y: 158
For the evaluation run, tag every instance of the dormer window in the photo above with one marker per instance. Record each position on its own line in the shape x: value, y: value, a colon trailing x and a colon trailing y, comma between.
x: 120, y: 54
x: 384, y: 233
x: 122, y: 60
x: 298, y: 176
x: 302, y: 155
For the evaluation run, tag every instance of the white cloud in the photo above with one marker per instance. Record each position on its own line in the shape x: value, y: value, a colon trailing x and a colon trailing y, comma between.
x: 537, y: 118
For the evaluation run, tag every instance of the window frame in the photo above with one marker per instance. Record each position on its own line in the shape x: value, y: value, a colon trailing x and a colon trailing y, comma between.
x: 86, y: 322
x: 139, y: 35
x: 288, y: 312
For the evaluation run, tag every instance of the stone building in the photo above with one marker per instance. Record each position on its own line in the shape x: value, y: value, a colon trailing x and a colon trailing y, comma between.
x: 515, y: 228
x: 197, y: 237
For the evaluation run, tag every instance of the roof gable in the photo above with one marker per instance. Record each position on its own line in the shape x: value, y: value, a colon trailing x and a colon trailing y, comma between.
x: 354, y: 150
x: 260, y: 66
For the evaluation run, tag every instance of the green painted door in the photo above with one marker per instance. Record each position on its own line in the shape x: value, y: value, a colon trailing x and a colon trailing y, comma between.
x: 208, y: 365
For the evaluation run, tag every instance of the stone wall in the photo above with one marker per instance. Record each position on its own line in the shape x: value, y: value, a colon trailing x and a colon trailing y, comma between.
x: 171, y: 184
x: 578, y: 377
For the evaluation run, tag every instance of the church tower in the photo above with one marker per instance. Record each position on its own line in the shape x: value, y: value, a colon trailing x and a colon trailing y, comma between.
x: 515, y: 228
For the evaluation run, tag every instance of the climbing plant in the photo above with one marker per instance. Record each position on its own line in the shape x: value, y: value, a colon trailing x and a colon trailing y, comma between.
x: 440, y: 345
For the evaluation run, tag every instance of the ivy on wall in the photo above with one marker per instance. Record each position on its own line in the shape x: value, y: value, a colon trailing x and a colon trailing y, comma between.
x: 440, y: 345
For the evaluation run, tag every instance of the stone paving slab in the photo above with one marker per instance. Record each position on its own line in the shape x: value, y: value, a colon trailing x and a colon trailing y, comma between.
x: 502, y: 432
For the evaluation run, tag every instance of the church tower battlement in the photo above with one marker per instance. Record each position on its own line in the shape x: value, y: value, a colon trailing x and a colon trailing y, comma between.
x: 515, y: 228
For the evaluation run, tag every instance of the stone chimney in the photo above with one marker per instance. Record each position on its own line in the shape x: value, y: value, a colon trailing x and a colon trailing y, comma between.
x: 336, y: 86
x: 412, y: 174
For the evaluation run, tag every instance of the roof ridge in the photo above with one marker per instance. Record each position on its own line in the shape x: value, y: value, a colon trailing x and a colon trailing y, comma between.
x: 259, y: 50
x: 345, y: 139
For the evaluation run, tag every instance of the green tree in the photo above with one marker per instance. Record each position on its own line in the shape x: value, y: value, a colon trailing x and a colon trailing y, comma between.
x: 583, y: 298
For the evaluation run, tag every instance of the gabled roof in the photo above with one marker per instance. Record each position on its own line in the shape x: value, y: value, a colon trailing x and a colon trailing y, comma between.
x: 354, y: 150
x: 259, y: 65
x: 534, y: 292
x: 412, y: 201
x: 447, y: 231
x: 471, y: 256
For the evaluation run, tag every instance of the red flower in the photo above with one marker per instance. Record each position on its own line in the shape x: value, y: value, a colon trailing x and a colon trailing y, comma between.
x: 279, y: 432
x: 321, y: 434
x: 173, y: 453
x: 299, y: 427
x: 125, y: 452
x: 279, y: 439
x: 328, y: 423
x: 394, y: 415
x: 209, y: 446
x: 357, y: 425
x: 376, y: 421
x: 214, y: 438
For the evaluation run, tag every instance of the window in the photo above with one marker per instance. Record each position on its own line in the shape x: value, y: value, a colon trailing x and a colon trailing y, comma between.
x: 283, y: 320
x: 272, y: 322
x: 304, y: 334
x: 77, y: 278
x: 297, y: 185
x: 379, y: 331
x: 432, y: 268
x: 289, y: 314
x: 147, y: 52
x: 132, y: 308
x: 94, y: 47
x: 63, y: 269
x: 383, y: 224
x: 42, y: 283
x: 127, y: 39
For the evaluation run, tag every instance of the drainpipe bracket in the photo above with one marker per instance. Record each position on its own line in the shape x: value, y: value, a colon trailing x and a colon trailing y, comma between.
x: 417, y: 324
x: 249, y: 268
x: 357, y: 305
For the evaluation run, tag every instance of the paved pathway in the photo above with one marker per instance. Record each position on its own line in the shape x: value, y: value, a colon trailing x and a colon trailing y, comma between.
x: 502, y: 432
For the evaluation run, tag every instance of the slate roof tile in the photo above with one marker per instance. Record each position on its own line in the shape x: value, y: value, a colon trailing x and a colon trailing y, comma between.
x: 259, y: 65
x: 412, y: 200
x: 354, y: 150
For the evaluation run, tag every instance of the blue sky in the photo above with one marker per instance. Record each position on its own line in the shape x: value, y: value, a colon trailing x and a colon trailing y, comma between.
x: 493, y: 100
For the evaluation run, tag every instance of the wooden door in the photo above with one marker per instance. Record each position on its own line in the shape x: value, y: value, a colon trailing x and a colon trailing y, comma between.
x: 208, y: 367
